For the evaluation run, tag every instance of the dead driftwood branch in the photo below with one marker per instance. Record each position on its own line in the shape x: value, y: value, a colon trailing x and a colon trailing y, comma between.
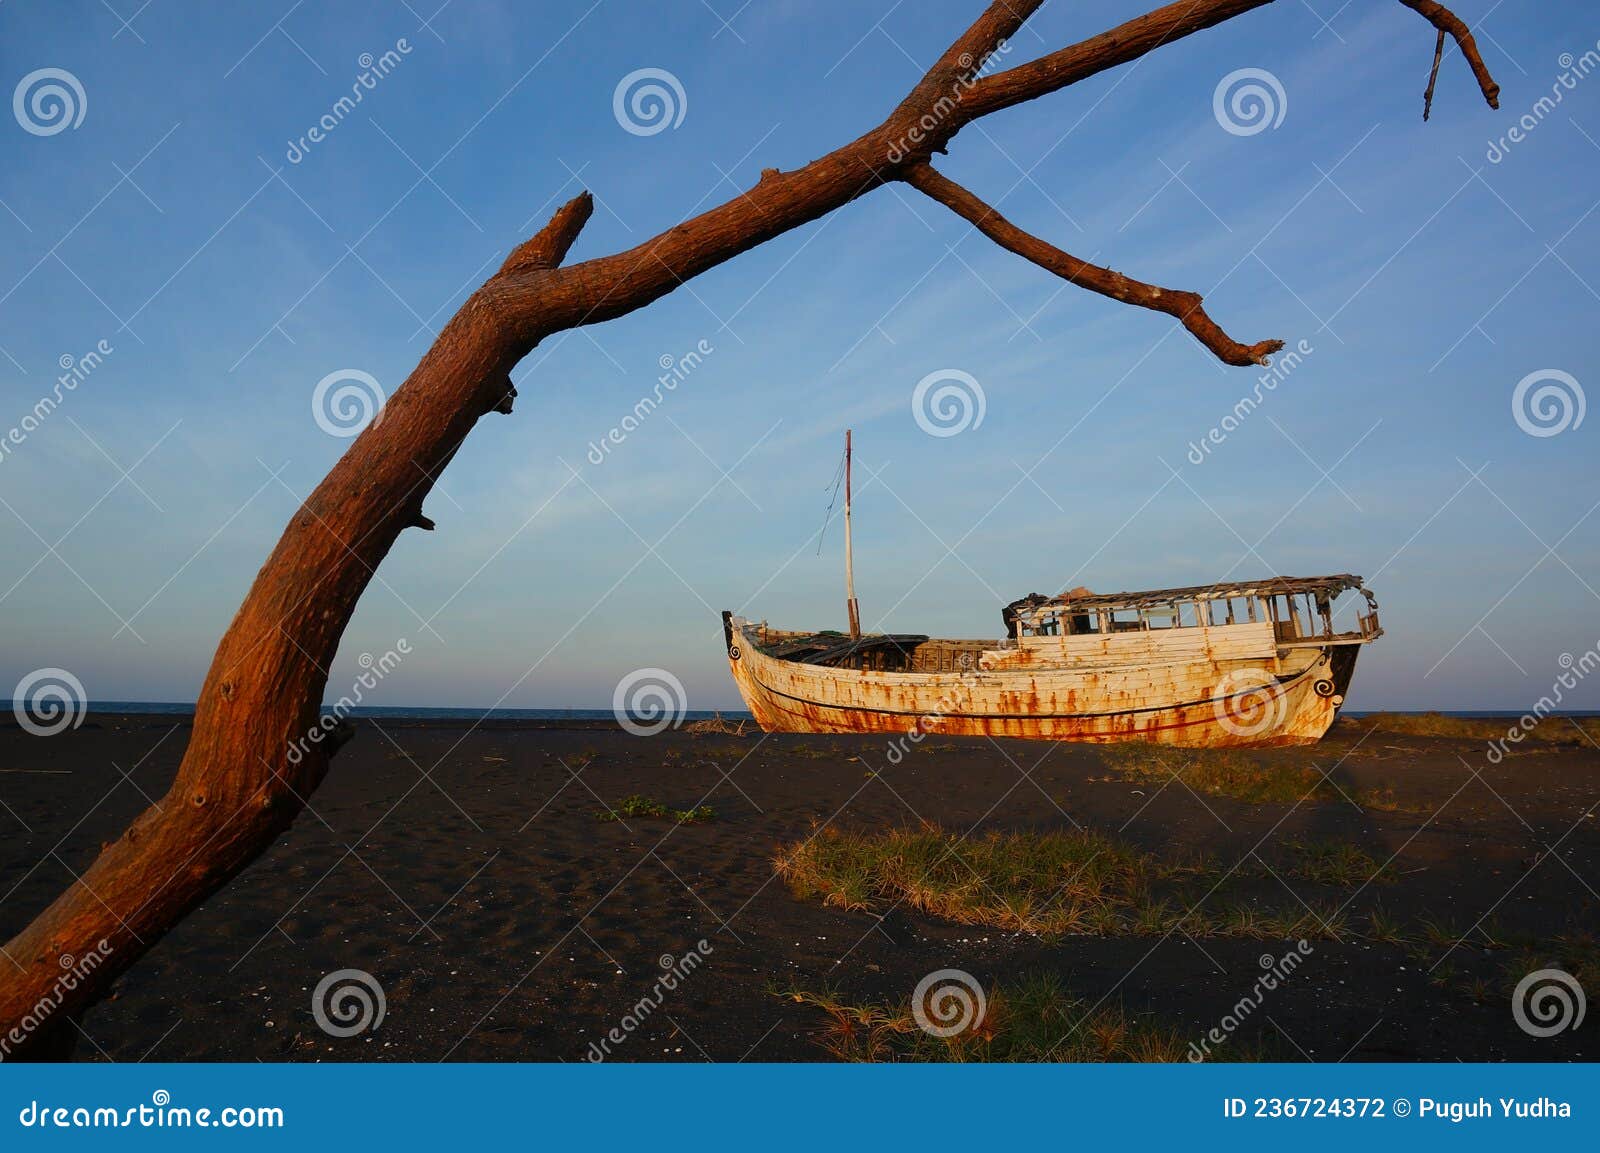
x: 1184, y: 306
x: 257, y: 750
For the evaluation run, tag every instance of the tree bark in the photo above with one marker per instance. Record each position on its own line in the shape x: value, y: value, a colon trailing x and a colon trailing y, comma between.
x: 239, y: 786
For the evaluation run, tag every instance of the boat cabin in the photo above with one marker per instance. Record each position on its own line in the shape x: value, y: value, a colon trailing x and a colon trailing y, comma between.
x: 1299, y: 609
x: 1240, y: 620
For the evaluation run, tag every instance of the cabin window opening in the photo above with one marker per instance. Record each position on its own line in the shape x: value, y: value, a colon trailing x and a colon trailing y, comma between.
x: 1187, y: 615
x: 1126, y: 621
x: 1161, y: 617
x: 1045, y: 626
x: 1082, y: 623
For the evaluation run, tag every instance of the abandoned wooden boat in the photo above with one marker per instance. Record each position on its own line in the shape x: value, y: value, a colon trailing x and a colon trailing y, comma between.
x: 1241, y: 663
x: 1236, y: 664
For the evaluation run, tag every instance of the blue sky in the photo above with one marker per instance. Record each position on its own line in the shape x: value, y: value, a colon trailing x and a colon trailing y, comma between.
x: 228, y: 280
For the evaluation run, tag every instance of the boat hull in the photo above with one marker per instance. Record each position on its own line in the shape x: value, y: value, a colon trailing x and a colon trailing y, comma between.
x: 1287, y: 697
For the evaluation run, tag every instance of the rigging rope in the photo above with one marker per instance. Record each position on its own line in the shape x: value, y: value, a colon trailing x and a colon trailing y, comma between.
x: 834, y: 484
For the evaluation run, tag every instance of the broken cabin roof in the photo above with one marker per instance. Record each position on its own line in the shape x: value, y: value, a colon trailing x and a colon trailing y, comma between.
x: 1268, y: 586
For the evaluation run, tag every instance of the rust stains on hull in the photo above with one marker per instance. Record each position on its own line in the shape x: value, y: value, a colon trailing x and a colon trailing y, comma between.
x: 1234, y: 692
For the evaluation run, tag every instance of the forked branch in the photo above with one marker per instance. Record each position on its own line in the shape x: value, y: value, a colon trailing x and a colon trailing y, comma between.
x: 1186, y: 307
x: 1447, y: 21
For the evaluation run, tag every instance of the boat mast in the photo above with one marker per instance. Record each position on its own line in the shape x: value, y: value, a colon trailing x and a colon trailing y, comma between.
x: 849, y: 566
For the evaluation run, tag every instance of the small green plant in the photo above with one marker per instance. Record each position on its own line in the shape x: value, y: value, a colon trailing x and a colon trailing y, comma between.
x: 639, y: 806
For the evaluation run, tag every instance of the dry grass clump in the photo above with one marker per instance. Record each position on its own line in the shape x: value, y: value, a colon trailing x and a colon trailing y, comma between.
x: 715, y: 725
x: 1276, y: 776
x: 1035, y: 1019
x: 1221, y: 772
x: 1555, y: 729
x: 1076, y: 882
x: 1336, y: 863
x: 1035, y: 882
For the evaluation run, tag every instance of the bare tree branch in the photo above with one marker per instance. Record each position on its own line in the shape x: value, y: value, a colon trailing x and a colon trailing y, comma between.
x: 1447, y: 21
x: 1185, y: 306
x: 1433, y: 76
x: 548, y: 247
x: 1126, y: 42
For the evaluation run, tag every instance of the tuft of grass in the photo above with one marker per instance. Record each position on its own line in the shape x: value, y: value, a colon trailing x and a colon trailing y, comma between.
x: 809, y: 752
x: 1275, y: 776
x: 1384, y: 800
x: 1440, y: 934
x: 1036, y: 882
x: 1054, y: 883
x: 1577, y: 953
x: 638, y: 806
x: 1034, y: 1019
x: 716, y: 725
x: 1222, y: 772
x: 1555, y: 729
x: 1336, y: 863
x: 1385, y: 927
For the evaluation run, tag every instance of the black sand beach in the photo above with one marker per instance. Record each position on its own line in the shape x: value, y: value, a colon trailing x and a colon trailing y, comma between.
x: 465, y: 869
